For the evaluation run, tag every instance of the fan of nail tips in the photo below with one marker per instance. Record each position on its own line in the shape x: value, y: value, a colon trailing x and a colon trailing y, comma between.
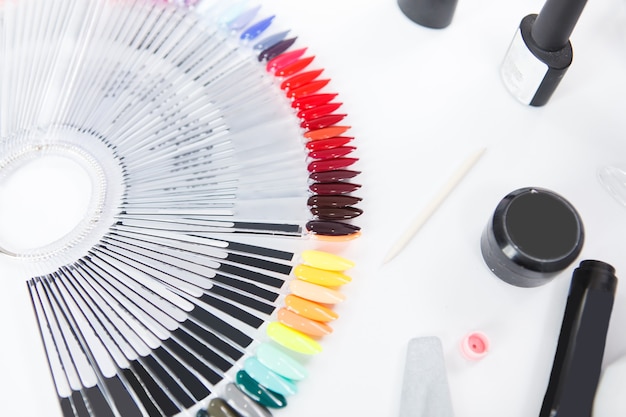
x: 214, y: 155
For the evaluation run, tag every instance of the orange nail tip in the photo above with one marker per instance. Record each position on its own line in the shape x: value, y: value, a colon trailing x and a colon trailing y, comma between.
x: 326, y: 133
x: 302, y: 324
x: 310, y: 309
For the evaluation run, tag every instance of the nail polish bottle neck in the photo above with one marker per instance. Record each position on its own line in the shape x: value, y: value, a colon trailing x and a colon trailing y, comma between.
x: 555, y: 23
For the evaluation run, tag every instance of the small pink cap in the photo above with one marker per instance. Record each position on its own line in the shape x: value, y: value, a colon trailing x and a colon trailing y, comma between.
x: 475, y: 346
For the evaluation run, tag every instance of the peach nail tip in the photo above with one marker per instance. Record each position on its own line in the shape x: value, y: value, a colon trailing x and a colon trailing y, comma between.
x: 316, y: 293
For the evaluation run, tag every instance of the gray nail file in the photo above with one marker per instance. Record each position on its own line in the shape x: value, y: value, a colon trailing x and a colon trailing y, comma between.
x: 425, y: 391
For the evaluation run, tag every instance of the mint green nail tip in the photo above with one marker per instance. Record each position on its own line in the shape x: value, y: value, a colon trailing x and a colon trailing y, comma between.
x: 258, y: 392
x: 268, y: 378
x: 280, y: 362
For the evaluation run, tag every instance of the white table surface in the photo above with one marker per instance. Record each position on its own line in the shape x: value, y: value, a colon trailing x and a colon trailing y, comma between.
x: 421, y: 101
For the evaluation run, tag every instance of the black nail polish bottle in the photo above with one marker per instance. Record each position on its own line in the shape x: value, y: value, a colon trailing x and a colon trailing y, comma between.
x: 541, y: 52
x: 436, y: 14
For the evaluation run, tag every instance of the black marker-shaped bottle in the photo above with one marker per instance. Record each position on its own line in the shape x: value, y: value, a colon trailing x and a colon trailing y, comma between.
x: 578, y: 358
x: 541, y: 51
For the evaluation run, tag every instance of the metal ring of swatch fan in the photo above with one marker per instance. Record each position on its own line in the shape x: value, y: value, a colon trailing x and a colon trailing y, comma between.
x: 186, y: 118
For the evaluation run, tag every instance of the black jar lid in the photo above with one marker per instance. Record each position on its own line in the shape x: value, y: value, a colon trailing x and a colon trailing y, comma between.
x: 533, y: 234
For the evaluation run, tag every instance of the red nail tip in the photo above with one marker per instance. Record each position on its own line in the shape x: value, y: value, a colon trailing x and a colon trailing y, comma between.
x: 322, y: 122
x: 313, y: 100
x: 331, y: 228
x: 318, y: 111
x: 284, y: 59
x: 335, y: 142
x: 333, y: 176
x: 307, y: 89
x: 332, y: 201
x: 325, y: 133
x: 331, y: 164
x: 332, y: 188
x: 332, y: 153
x: 294, y: 67
x: 299, y: 80
x: 345, y: 213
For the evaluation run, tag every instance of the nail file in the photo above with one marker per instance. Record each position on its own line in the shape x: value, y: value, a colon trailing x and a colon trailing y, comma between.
x: 425, y: 391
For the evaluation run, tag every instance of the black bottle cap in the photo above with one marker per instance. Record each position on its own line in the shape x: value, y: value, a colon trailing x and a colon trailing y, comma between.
x: 533, y: 235
x: 435, y: 14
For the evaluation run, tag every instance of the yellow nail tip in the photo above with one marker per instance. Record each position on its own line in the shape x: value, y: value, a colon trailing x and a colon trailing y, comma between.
x: 326, y: 260
x: 320, y: 276
x: 292, y: 339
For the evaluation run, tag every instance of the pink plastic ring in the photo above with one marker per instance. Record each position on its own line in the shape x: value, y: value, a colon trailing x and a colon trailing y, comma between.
x: 475, y: 346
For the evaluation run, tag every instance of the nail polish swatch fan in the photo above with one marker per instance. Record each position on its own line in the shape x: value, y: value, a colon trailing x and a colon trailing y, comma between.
x: 208, y: 155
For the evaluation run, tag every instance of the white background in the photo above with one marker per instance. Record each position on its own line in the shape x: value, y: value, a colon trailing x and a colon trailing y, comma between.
x: 420, y: 102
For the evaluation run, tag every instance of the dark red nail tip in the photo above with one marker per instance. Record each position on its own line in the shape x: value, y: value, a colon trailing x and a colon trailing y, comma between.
x: 331, y: 228
x: 332, y: 201
x: 332, y: 153
x: 338, y: 213
x: 330, y: 188
x: 330, y: 164
x: 333, y: 176
x: 323, y: 121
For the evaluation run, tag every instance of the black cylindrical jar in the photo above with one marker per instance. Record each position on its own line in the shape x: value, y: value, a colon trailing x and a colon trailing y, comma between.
x: 533, y: 235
